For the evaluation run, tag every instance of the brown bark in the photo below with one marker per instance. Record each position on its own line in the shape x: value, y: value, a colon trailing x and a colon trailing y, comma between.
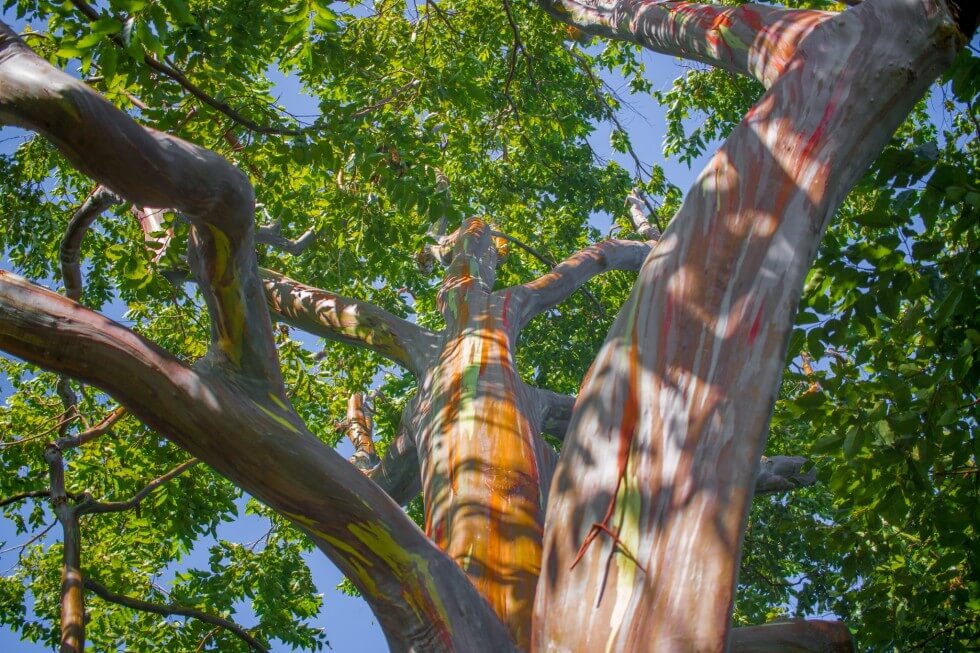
x: 72, y: 592
x: 796, y: 636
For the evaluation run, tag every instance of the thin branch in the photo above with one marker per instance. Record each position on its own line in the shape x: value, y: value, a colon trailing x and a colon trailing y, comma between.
x: 94, y: 205
x: 33, y: 539
x: 597, y: 84
x: 119, y: 506
x: 6, y: 501
x: 103, y: 427
x: 942, y: 631
x: 38, y: 436
x: 72, y: 596
x: 172, y: 609
x: 512, y: 66
x: 360, y: 113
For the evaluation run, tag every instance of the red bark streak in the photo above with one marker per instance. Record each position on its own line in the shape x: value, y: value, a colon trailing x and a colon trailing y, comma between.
x: 756, y: 323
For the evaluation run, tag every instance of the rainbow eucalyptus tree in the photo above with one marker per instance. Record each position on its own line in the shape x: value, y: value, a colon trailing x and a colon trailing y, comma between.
x: 630, y: 538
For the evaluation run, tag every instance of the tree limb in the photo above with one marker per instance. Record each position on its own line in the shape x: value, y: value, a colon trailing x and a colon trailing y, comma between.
x: 103, y: 427
x: 350, y: 321
x: 94, y: 507
x: 243, y: 435
x: 795, y: 636
x: 398, y: 472
x: 754, y: 40
x: 359, y: 429
x: 557, y: 412
x: 31, y: 494
x: 150, y: 168
x: 571, y: 274
x: 172, y: 609
x: 641, y: 224
x: 271, y: 235
x: 782, y: 473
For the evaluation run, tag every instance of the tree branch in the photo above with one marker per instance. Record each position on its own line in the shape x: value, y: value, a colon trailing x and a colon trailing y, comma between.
x: 72, y: 596
x: 574, y: 272
x: 754, y: 40
x: 271, y: 235
x: 398, y: 472
x: 172, y: 609
x: 31, y: 494
x: 359, y: 429
x: 350, y: 321
x: 557, y: 412
x: 641, y: 224
x: 94, y: 507
x: 243, y: 436
x: 71, y: 245
x: 150, y: 168
x: 795, y: 636
x: 103, y: 427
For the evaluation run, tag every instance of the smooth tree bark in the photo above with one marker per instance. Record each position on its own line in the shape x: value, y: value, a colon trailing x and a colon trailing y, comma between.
x: 230, y: 409
x: 632, y: 542
x: 642, y: 549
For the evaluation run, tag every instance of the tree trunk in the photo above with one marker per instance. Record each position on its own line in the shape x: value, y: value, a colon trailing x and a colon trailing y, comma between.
x: 642, y: 549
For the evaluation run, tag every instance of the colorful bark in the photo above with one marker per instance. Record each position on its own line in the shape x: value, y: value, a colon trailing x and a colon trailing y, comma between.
x: 339, y: 318
x: 755, y: 40
x: 685, y: 382
x: 420, y: 596
x: 483, y: 465
x: 359, y: 427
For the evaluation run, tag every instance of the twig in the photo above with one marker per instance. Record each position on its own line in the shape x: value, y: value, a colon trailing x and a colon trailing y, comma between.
x: 94, y: 507
x: 173, y: 609
x: 30, y: 541
x: 88, y: 435
x: 360, y: 113
x: 6, y: 501
x: 30, y: 438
